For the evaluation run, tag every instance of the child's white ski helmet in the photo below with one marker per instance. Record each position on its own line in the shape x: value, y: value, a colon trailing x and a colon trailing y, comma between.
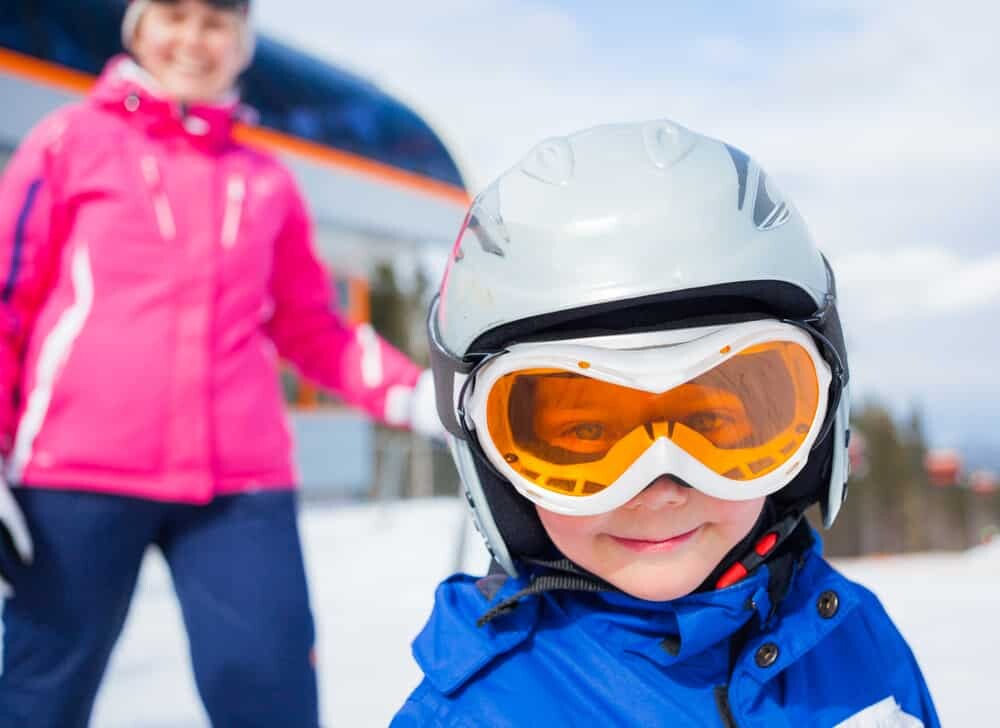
x: 616, y: 229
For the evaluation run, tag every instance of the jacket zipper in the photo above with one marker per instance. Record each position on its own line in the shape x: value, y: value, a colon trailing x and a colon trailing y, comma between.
x: 722, y: 703
x: 236, y: 189
x: 161, y: 205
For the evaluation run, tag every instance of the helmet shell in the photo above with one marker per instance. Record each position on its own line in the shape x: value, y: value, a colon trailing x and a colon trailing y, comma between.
x: 617, y: 213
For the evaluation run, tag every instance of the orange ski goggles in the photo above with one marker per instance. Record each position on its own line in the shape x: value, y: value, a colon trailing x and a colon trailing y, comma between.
x: 580, y: 428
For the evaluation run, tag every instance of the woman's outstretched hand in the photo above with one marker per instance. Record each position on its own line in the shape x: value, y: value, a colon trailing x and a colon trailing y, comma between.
x: 424, y: 418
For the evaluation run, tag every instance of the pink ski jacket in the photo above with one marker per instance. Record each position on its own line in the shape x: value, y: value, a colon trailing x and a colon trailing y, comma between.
x: 152, y: 272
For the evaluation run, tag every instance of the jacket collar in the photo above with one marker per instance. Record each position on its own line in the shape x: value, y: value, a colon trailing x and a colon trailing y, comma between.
x: 805, y: 618
x: 127, y: 89
x: 458, y: 603
x: 651, y: 629
x: 666, y: 633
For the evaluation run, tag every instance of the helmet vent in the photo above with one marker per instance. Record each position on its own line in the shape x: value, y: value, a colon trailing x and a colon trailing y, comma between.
x: 550, y: 162
x: 486, y: 223
x: 666, y: 143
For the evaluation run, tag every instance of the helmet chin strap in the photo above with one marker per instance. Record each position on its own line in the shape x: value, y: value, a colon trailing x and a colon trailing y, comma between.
x: 764, y: 540
x: 779, y: 540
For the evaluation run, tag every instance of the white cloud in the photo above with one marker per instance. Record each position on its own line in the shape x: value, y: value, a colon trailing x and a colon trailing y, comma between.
x: 906, y: 83
x: 887, y: 285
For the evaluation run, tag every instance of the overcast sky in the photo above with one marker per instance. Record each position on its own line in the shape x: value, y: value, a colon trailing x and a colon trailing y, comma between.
x: 878, y: 119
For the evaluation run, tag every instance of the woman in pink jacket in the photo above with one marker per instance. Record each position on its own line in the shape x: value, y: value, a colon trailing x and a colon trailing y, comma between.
x: 152, y: 272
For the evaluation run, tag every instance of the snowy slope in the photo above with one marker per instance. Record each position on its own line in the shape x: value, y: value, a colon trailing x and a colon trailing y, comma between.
x: 373, y: 571
x: 948, y: 608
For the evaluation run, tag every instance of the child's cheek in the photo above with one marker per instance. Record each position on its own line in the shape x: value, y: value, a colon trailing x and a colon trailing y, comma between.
x: 739, y: 511
x: 571, y: 529
x: 734, y: 519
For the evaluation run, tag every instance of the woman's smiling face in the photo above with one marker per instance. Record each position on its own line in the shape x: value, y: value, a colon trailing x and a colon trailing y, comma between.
x: 194, y: 50
x: 660, y: 545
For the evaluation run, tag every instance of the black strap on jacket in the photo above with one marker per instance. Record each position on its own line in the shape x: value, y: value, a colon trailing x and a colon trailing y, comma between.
x: 558, y: 575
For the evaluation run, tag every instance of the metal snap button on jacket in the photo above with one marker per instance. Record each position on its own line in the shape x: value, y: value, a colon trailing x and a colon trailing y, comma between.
x: 828, y: 604
x: 766, y: 655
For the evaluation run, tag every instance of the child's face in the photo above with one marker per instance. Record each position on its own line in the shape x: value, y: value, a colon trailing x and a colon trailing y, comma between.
x: 660, y: 545
x: 195, y: 51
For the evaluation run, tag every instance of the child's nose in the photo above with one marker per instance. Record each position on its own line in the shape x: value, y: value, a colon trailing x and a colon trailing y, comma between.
x: 664, y: 492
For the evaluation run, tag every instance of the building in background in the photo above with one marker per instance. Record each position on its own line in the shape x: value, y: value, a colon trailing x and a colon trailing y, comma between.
x: 381, y: 186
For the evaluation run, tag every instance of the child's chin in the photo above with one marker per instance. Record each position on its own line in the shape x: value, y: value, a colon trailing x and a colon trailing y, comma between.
x: 656, y: 587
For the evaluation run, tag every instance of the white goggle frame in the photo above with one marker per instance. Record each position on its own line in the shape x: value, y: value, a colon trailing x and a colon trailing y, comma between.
x: 653, y: 362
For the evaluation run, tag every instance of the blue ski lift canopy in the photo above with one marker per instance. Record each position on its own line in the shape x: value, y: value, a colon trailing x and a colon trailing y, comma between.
x: 293, y: 93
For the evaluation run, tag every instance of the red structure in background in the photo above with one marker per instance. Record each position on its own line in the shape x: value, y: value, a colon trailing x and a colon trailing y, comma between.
x: 943, y: 467
x: 984, y: 482
x: 857, y: 454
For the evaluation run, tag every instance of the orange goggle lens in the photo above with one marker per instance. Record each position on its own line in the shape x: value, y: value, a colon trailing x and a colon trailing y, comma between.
x: 575, y: 435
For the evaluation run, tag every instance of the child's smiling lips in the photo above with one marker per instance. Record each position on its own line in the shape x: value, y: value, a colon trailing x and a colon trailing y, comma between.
x: 655, y: 545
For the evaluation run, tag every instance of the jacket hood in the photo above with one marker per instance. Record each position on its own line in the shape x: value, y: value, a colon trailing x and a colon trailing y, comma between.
x: 130, y: 91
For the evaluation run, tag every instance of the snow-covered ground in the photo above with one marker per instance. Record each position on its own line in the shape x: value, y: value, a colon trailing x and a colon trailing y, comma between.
x: 373, y: 571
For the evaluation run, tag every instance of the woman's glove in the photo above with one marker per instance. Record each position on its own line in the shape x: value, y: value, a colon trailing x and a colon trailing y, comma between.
x: 14, y: 536
x: 424, y: 419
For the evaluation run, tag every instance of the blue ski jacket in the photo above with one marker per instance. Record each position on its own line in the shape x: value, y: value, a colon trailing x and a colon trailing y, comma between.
x: 828, y: 656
